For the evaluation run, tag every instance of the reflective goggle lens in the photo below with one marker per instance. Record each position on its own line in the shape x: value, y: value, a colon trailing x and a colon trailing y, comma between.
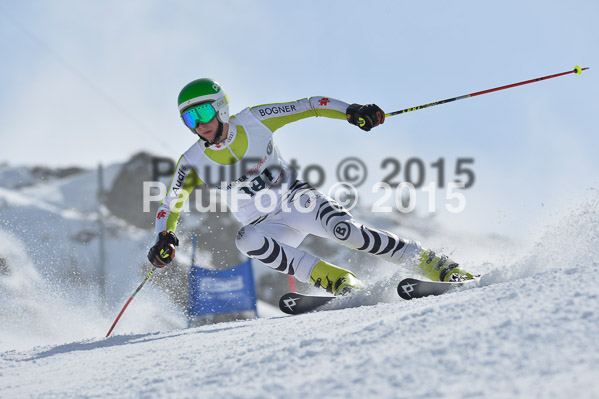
x: 201, y: 114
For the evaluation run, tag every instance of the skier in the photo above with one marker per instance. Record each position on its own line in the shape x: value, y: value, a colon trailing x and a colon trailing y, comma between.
x: 294, y: 208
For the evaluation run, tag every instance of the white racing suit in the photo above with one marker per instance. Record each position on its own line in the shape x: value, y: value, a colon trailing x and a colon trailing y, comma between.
x: 276, y: 209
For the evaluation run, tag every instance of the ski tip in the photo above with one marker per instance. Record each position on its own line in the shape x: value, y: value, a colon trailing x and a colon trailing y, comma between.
x: 406, y: 287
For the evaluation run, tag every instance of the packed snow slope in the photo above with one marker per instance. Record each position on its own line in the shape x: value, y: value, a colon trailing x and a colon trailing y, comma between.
x: 530, y: 331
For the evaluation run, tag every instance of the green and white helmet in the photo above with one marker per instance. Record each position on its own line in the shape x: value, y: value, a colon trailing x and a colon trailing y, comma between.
x: 203, y: 91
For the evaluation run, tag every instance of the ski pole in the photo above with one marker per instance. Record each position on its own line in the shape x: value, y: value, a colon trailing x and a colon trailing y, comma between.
x: 130, y: 299
x: 577, y: 70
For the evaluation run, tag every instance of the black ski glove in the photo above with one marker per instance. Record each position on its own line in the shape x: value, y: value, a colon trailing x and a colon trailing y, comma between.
x: 365, y: 116
x: 163, y: 252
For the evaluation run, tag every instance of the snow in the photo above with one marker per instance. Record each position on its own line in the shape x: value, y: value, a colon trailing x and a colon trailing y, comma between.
x: 13, y: 177
x: 514, y: 339
x: 530, y: 330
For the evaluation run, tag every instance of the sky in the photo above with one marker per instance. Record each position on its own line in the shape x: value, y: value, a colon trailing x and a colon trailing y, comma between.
x: 95, y: 82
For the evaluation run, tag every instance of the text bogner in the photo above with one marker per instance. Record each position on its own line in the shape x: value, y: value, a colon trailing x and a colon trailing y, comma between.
x: 277, y: 110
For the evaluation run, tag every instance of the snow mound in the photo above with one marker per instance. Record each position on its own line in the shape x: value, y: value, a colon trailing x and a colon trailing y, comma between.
x: 569, y: 244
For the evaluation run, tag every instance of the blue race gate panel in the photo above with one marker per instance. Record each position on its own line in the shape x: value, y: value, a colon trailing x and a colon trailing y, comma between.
x: 221, y: 291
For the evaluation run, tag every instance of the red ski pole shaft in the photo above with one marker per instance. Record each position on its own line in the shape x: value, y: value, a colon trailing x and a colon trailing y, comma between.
x: 577, y: 70
x: 130, y: 299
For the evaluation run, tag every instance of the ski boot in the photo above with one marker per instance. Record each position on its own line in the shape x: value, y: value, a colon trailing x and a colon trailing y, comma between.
x: 334, y: 279
x: 441, y: 268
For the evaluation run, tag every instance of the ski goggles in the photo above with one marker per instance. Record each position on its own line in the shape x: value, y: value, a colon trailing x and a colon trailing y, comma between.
x: 203, y: 113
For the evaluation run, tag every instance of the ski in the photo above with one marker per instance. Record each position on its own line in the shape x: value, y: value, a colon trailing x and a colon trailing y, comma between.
x: 410, y: 288
x: 295, y: 303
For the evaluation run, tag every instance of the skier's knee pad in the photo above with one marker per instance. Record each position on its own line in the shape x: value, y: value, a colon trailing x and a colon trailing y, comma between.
x: 346, y: 231
x: 248, y: 239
